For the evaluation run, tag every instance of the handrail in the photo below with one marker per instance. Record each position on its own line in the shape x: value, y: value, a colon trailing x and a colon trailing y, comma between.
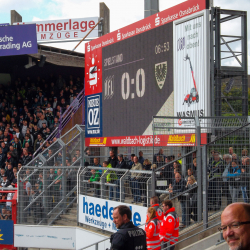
x: 72, y: 107
x: 64, y: 116
x: 38, y: 150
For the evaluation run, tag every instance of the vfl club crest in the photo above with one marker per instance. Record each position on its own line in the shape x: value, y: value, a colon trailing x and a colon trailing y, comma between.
x: 160, y: 73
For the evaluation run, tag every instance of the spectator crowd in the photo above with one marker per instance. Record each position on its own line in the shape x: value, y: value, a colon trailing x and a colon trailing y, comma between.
x: 228, y: 176
x: 30, y: 111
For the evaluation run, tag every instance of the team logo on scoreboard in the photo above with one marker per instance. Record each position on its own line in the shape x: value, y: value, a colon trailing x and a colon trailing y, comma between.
x: 161, y: 73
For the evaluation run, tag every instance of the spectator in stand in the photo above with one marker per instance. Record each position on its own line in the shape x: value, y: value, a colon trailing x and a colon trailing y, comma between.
x: 226, y: 181
x: 234, y: 185
x: 121, y: 163
x: 245, y: 180
x: 215, y: 170
x: 9, y: 173
x: 146, y: 164
x: 4, y: 215
x: 194, y: 168
x: 50, y: 158
x: 159, y: 161
x: 244, y: 152
x: 19, y: 166
x: 160, y: 153
x: 38, y: 142
x: 112, y: 158
x: 110, y: 178
x: 234, y: 157
x: 134, y: 182
x: 231, y: 150
x: 189, y: 173
x: 25, y: 158
x: 2, y: 158
x: 41, y: 121
x: 179, y: 187
x: 141, y: 159
x: 192, y: 198
x: 95, y: 177
x: 5, y: 182
x: 78, y: 154
x: 58, y: 186
x: 131, y: 161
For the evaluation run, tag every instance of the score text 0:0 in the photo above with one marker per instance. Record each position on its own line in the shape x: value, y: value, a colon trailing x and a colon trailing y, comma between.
x: 126, y: 81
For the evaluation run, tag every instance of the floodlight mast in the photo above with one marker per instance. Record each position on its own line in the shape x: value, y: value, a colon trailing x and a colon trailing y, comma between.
x: 101, y: 19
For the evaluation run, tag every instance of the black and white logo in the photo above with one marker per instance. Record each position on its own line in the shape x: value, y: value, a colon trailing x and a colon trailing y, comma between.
x: 160, y: 73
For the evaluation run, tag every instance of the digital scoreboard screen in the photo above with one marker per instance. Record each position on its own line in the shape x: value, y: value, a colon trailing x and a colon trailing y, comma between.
x: 129, y: 78
x: 137, y: 78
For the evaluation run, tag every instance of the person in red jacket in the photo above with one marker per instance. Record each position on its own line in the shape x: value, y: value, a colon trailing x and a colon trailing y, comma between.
x: 169, y: 231
x: 152, y: 228
x: 154, y: 202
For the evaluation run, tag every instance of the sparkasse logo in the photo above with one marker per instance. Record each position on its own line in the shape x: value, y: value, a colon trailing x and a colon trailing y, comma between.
x: 118, y: 35
x: 157, y: 20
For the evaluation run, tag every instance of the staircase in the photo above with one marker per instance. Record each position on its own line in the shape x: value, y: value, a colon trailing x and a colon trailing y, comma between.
x: 69, y: 218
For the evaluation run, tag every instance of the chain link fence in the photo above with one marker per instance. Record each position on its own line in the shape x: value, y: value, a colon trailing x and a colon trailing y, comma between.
x: 202, y: 167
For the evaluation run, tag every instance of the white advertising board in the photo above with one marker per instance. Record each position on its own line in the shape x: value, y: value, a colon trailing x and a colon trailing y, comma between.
x: 64, y: 29
x: 56, y: 237
x: 98, y: 213
x: 191, y: 68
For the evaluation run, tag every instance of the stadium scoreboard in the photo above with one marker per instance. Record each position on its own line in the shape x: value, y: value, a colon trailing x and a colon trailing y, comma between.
x: 130, y: 76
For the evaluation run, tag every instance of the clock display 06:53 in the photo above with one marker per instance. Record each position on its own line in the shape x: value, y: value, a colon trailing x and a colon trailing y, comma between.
x: 160, y: 48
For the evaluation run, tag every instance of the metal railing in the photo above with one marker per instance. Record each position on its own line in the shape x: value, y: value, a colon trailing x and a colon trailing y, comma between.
x: 45, y: 193
x: 52, y: 180
x: 127, y: 186
x: 64, y: 119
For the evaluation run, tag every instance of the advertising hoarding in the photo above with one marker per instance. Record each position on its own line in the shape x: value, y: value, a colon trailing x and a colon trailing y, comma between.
x: 7, y: 232
x: 56, y: 237
x: 146, y: 140
x: 18, y: 40
x: 64, y: 29
x: 191, y: 78
x: 98, y: 213
x: 133, y: 68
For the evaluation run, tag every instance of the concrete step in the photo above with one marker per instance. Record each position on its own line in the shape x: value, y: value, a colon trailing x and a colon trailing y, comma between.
x: 205, y: 243
x: 64, y: 222
x: 222, y: 246
x: 72, y: 217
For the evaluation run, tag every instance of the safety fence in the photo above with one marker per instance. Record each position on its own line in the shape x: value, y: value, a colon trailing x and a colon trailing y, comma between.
x: 196, y: 168
x: 127, y: 186
x: 45, y: 193
x: 48, y: 184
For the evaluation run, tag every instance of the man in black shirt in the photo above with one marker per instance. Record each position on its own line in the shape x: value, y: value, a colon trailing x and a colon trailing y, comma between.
x: 129, y: 236
x: 112, y: 159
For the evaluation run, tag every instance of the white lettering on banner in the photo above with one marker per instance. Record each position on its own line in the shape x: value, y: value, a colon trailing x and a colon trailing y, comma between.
x: 64, y: 29
x: 137, y: 140
x: 99, y: 213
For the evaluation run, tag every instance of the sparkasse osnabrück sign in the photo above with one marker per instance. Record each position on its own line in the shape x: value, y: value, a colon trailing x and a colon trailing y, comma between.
x: 98, y: 213
x: 18, y: 40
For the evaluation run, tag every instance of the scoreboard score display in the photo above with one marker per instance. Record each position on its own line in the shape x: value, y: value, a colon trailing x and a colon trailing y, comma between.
x: 129, y: 77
